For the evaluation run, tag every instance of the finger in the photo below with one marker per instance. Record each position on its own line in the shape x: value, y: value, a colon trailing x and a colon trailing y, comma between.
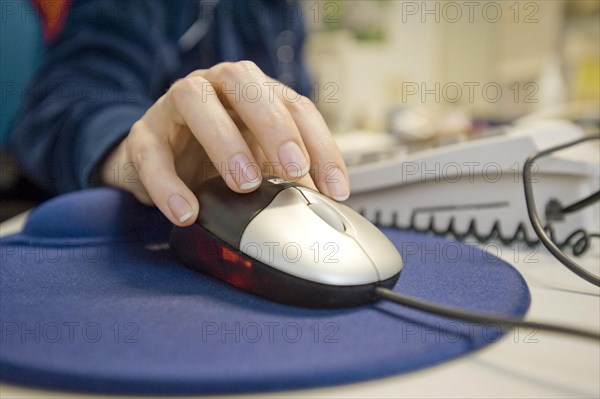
x: 195, y: 104
x: 305, y: 180
x: 328, y: 167
x: 244, y: 87
x: 153, y: 160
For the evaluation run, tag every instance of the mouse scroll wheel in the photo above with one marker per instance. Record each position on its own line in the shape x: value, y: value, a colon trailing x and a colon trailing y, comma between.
x: 330, y: 216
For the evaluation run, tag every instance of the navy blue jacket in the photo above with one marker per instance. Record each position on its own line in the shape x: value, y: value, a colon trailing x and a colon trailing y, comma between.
x: 114, y: 58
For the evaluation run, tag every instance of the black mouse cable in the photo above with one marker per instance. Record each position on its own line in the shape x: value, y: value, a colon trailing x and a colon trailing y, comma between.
x: 479, y: 318
x: 535, y: 220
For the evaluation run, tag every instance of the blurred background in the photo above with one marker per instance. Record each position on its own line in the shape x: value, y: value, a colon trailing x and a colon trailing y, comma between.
x: 407, y: 75
x: 437, y: 72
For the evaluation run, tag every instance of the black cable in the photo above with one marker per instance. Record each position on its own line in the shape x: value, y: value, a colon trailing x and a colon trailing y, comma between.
x: 535, y: 220
x: 496, y: 233
x: 479, y: 318
x: 581, y: 204
x: 578, y: 241
x: 579, y: 247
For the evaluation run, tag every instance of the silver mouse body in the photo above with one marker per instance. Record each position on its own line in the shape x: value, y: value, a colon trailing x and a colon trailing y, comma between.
x: 305, y: 234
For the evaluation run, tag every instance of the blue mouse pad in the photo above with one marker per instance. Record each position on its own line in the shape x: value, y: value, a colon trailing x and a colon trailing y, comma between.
x: 92, y: 299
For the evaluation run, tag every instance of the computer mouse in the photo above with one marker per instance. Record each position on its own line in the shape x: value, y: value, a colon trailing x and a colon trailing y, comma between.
x: 289, y: 244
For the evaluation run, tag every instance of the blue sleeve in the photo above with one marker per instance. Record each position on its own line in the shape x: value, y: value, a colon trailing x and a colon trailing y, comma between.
x: 97, y: 78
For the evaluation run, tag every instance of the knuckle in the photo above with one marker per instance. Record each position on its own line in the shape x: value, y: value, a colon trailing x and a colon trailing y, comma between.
x: 196, y: 73
x: 236, y: 70
x: 302, y: 104
x: 217, y: 129
x: 137, y: 128
x: 133, y: 138
x: 182, y: 89
x: 247, y: 66
x: 276, y: 117
x: 179, y: 90
x: 226, y: 69
x: 327, y: 141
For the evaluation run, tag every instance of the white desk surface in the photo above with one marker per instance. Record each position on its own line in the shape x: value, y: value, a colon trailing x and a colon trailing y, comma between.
x: 554, y: 366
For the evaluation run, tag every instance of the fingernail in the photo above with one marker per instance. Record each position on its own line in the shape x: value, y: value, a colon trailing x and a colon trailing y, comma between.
x: 245, y: 173
x: 293, y: 160
x: 338, y: 188
x: 180, y: 208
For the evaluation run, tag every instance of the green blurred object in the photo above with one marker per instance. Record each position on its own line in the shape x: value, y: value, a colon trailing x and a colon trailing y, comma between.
x: 374, y: 35
x: 20, y: 52
x: 362, y: 18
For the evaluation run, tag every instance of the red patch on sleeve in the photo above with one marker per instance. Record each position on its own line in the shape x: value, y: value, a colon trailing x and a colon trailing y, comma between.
x: 53, y: 14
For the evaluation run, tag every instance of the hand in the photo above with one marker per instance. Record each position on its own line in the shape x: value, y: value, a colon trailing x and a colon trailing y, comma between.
x: 230, y: 120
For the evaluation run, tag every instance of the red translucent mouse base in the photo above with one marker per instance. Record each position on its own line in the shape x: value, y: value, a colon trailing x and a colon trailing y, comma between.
x: 202, y: 251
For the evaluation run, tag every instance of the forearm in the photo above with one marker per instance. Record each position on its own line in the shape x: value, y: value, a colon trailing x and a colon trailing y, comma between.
x: 96, y: 80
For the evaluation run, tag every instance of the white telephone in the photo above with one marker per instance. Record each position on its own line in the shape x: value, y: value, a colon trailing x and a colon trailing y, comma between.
x: 475, y: 189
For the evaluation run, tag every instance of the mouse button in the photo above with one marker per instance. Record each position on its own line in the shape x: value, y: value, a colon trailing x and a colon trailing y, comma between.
x: 330, y: 216
x: 286, y: 197
x: 314, y: 197
x: 296, y: 241
x: 376, y: 245
x: 311, y: 195
x: 226, y: 214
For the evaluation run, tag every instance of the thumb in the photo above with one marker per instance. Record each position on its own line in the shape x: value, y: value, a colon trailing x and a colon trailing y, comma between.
x: 169, y: 193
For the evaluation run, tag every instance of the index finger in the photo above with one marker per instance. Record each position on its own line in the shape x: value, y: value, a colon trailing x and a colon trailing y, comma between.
x: 245, y: 88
